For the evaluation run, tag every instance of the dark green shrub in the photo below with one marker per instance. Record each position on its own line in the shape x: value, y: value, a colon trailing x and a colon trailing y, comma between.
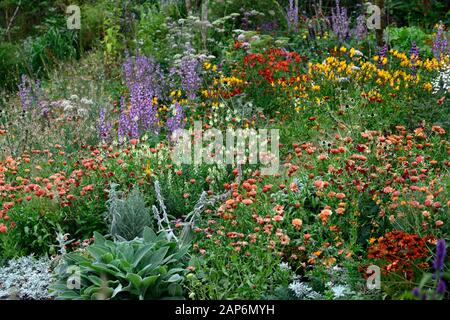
x: 11, y: 65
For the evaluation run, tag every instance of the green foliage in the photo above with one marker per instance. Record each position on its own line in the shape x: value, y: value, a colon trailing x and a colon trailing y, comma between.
x: 418, y: 12
x: 35, y: 229
x: 147, y: 268
x: 11, y: 65
x: 152, y: 33
x: 402, y: 38
x: 55, y: 44
x: 271, y: 10
x: 92, y: 20
x: 127, y: 217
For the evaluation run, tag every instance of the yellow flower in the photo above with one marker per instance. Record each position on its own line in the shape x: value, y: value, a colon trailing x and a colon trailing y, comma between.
x: 352, y: 52
x: 148, y: 169
x: 343, y: 49
x: 428, y: 86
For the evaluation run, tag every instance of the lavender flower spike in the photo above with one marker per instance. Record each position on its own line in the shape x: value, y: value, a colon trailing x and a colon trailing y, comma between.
x: 103, y: 126
x: 340, y: 22
x: 176, y: 121
x: 441, y: 287
x: 441, y: 47
x: 439, y: 260
x: 292, y: 15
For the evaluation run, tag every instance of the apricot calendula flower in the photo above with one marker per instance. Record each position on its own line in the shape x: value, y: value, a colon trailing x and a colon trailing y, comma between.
x: 297, y: 223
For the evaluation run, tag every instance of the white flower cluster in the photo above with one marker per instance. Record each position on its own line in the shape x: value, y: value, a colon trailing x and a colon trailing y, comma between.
x: 338, y: 290
x: 337, y: 286
x: 26, y: 278
x: 442, y: 81
x: 303, y: 291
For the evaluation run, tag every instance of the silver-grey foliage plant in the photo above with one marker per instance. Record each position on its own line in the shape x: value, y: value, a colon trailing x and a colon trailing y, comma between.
x: 128, y: 216
x: 26, y: 278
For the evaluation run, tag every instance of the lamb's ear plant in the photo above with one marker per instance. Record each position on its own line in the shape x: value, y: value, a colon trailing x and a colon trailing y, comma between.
x: 144, y: 268
x: 129, y: 216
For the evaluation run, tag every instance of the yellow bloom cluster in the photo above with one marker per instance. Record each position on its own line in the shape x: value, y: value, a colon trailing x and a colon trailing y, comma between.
x: 338, y: 69
x: 231, y: 81
x: 332, y: 68
x: 207, y: 66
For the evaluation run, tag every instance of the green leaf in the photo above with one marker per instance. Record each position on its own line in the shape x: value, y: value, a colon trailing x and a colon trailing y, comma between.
x: 175, y: 289
x: 150, y: 280
x: 102, y: 268
x: 135, y: 280
x: 97, y: 252
x: 174, y: 278
x: 140, y: 254
x: 426, y: 277
x: 99, y: 239
x: 95, y: 280
x: 107, y: 257
x: 149, y: 235
x: 158, y: 256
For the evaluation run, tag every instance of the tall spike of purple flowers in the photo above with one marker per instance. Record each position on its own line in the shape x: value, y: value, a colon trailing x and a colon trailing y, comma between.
x: 145, y: 82
x: 28, y: 92
x: 340, y: 22
x: 441, y: 46
x: 441, y: 287
x: 382, y: 54
x: 360, y: 31
x: 292, y: 15
x: 176, y: 121
x: 103, y: 126
x: 414, y: 56
x: 439, y: 259
x: 188, y: 72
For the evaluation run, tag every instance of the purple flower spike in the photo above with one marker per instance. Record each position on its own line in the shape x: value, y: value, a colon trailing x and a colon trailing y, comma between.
x: 439, y: 260
x: 441, y: 47
x: 144, y: 79
x: 177, y: 120
x: 441, y: 287
x: 103, y: 126
x: 340, y: 22
x: 292, y: 16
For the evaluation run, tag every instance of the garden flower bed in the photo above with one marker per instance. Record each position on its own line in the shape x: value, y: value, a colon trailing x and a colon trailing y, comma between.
x: 201, y: 153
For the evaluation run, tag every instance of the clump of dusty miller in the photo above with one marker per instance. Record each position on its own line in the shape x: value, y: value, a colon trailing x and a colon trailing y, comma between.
x: 26, y: 278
